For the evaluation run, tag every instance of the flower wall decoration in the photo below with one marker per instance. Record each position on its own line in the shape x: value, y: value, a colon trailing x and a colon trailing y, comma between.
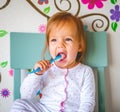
x: 3, y: 63
x: 115, y: 13
x: 42, y: 1
x: 42, y: 28
x: 11, y: 72
x: 5, y: 93
x: 115, y: 16
x: 93, y: 3
x: 100, y: 23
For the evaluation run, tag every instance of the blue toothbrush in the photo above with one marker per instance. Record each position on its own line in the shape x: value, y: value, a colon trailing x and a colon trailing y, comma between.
x: 58, y: 57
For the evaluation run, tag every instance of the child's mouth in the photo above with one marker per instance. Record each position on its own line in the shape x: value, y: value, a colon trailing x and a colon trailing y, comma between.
x: 63, y: 55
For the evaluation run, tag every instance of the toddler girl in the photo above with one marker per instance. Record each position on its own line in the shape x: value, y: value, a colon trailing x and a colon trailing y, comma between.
x: 67, y: 85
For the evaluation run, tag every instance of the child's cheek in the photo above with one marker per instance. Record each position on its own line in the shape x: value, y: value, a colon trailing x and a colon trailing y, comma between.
x: 52, y: 51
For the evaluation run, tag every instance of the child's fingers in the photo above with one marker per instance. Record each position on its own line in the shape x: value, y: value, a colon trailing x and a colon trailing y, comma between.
x: 44, y: 65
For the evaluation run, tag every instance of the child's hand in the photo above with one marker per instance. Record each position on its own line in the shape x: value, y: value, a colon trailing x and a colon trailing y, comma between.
x: 43, y: 65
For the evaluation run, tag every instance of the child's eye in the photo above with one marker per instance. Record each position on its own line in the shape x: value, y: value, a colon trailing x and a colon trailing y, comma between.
x: 68, y: 39
x: 53, y: 40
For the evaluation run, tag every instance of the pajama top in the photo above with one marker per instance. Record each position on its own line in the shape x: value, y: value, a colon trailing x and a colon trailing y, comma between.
x: 65, y: 90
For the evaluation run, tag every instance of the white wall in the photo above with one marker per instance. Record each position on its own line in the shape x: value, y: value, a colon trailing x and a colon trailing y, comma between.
x: 19, y: 16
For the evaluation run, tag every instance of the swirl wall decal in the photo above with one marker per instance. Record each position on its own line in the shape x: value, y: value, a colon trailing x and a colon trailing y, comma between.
x: 101, y: 23
x: 95, y: 23
x: 5, y: 5
x: 37, y: 8
x: 69, y: 6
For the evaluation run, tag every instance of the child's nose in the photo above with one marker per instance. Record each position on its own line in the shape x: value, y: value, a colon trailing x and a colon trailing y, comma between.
x: 61, y: 44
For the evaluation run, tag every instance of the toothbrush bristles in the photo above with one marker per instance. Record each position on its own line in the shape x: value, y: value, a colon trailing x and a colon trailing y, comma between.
x: 57, y: 58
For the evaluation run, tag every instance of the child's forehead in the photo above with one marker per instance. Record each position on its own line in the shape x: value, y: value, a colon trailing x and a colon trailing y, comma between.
x: 65, y: 29
x: 66, y: 25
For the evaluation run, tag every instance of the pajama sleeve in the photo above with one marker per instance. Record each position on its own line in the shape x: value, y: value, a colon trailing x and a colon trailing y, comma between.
x: 30, y: 85
x: 87, y: 102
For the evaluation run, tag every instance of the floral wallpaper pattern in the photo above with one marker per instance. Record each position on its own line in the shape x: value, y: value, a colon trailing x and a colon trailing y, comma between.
x: 4, y: 92
x: 43, y: 8
x: 91, y: 4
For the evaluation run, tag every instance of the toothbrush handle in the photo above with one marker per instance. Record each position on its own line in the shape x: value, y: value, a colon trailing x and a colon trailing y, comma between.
x: 36, y: 70
x: 51, y: 61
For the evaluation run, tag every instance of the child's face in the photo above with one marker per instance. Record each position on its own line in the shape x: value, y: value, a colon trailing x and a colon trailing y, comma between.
x: 63, y: 40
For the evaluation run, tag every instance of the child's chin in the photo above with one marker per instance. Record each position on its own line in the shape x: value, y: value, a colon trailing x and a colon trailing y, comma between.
x: 62, y: 61
x: 61, y: 64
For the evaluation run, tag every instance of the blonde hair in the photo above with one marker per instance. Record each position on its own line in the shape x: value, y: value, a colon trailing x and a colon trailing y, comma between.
x: 65, y: 17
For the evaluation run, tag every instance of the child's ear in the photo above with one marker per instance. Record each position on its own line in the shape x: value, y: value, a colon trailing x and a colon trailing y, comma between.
x: 80, y: 48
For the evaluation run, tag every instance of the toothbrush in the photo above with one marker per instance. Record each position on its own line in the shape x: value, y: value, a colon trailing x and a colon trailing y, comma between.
x: 57, y: 58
